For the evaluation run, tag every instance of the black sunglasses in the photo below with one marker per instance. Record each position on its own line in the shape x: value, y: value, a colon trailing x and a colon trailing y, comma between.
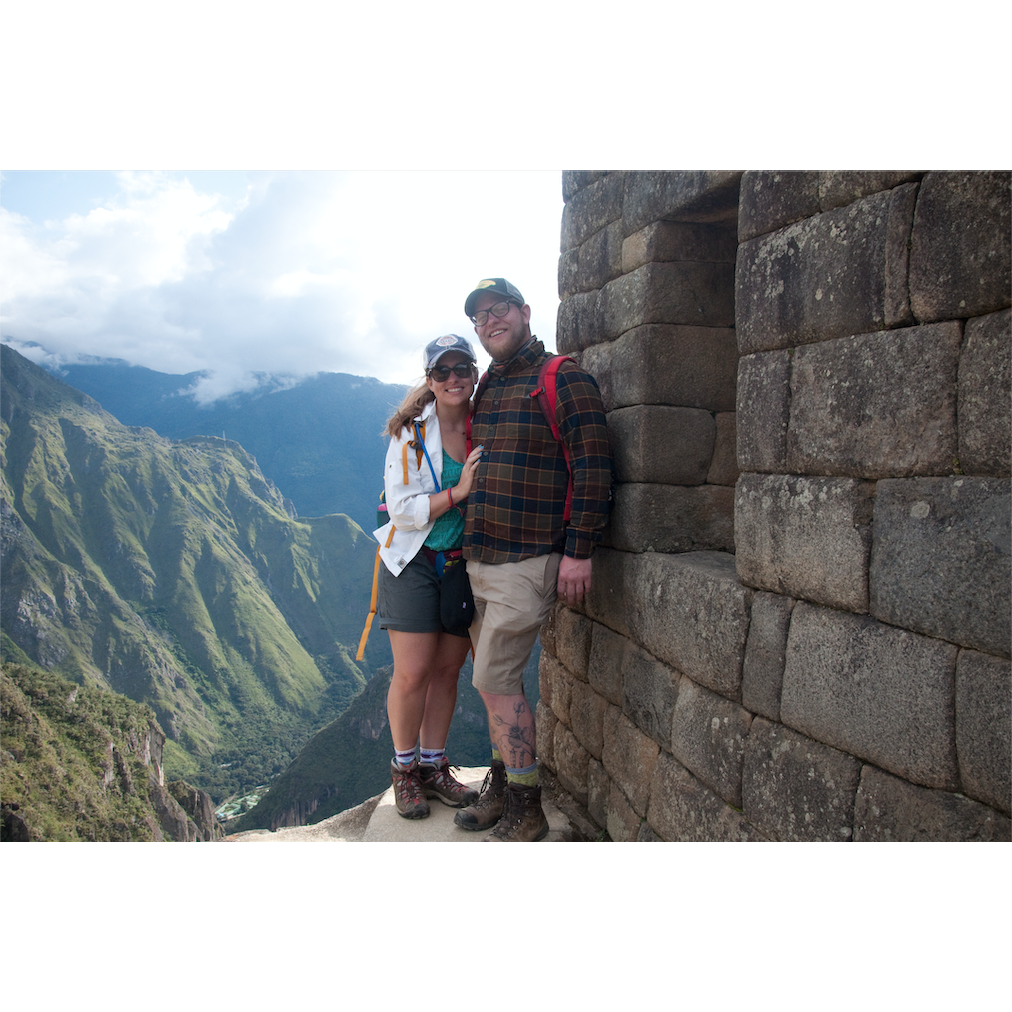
x: 499, y: 310
x: 441, y: 373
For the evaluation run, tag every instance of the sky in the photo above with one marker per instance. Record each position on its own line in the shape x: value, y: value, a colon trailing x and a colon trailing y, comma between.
x: 239, y: 274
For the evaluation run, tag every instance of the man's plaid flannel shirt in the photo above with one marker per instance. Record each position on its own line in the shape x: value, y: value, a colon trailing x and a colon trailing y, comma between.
x: 516, y: 506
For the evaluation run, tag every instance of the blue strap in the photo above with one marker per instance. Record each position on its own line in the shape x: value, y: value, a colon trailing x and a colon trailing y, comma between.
x: 421, y: 441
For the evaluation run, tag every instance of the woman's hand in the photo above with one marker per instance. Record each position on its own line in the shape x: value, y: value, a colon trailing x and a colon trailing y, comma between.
x: 463, y: 486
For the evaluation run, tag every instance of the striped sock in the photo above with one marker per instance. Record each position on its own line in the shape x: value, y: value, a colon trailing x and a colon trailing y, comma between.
x: 496, y: 755
x: 432, y: 756
x: 528, y: 776
x: 404, y: 759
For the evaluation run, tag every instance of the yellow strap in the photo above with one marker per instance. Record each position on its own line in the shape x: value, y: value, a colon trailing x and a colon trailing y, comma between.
x: 372, y: 602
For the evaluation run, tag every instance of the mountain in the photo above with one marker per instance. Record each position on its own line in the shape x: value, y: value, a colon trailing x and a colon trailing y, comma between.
x: 82, y: 764
x: 318, y: 439
x: 175, y: 573
x: 349, y: 760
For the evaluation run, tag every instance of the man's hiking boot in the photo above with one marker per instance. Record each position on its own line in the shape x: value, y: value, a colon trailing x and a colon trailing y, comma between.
x: 408, y: 791
x: 485, y: 812
x: 438, y: 782
x: 523, y: 819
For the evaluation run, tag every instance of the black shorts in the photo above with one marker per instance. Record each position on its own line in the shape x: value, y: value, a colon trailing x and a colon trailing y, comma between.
x: 410, y: 602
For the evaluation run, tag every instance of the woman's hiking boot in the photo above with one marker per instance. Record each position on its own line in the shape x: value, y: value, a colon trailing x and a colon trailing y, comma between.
x: 438, y: 782
x: 523, y: 819
x: 485, y: 812
x: 408, y: 795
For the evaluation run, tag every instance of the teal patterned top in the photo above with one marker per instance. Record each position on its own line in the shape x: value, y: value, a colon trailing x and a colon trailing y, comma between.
x: 448, y: 531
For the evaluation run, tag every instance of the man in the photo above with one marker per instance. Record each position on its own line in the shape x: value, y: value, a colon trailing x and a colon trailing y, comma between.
x: 521, y: 552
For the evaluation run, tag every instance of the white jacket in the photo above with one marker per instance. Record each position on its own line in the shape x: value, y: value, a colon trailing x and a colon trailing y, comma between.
x: 408, y: 505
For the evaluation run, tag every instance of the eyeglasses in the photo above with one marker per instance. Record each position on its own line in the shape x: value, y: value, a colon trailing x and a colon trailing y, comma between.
x: 441, y: 373
x: 499, y: 310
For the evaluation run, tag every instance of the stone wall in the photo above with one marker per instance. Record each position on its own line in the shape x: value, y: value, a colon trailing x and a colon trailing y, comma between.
x: 799, y: 627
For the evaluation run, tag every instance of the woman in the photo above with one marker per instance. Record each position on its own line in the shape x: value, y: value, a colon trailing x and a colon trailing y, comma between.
x: 425, y: 493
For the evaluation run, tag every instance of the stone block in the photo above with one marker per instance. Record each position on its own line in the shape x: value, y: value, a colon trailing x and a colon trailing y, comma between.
x: 666, y: 241
x: 607, y: 601
x: 838, y: 188
x: 598, y: 790
x: 574, y: 180
x: 629, y: 758
x: 762, y: 673
x: 708, y: 735
x: 763, y: 412
x: 687, y: 610
x: 623, y: 821
x: 586, y: 718
x: 653, y: 443
x: 817, y: 279
x: 877, y: 692
x: 701, y: 196
x: 771, y: 200
x: 806, y: 537
x: 597, y: 360
x: 600, y: 258
x: 572, y: 641
x: 960, y: 257
x: 555, y: 686
x: 876, y: 405
x: 571, y: 760
x: 569, y: 273
x: 689, y: 367
x: 647, y: 835
x: 591, y: 208
x: 694, y: 294
x: 650, y: 689
x: 796, y: 789
x: 544, y: 732
x: 724, y: 465
x: 985, y: 396
x: 940, y: 560
x: 984, y: 727
x: 546, y: 634
x: 578, y: 323
x: 683, y: 810
x: 607, y: 653
x: 888, y: 809
x: 671, y: 518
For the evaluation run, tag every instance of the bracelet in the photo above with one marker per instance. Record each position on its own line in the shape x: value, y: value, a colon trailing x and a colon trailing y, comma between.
x: 449, y: 495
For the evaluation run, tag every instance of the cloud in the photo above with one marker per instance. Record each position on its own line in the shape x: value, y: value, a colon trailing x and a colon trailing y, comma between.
x: 304, y: 272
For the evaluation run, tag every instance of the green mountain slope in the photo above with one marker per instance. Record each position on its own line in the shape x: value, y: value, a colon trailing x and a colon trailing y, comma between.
x: 174, y: 573
x: 317, y: 439
x: 81, y: 764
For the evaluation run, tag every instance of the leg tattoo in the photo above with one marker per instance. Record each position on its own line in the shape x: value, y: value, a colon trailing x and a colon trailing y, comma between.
x: 515, y: 738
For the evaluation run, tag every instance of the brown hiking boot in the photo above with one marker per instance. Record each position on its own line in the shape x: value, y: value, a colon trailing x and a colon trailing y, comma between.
x: 438, y: 782
x: 408, y: 791
x: 523, y: 819
x: 485, y: 812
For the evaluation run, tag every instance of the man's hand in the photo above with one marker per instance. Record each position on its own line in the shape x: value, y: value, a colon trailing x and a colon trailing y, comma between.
x: 574, y: 579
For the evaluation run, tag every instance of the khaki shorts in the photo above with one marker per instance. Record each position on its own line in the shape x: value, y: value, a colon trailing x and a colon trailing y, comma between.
x: 512, y: 600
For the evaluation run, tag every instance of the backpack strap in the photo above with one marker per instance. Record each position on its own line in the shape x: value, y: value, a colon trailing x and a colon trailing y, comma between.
x: 418, y: 445
x: 372, y: 601
x: 546, y: 393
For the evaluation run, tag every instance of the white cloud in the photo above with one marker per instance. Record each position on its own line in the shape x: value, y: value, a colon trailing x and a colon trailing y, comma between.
x: 350, y: 272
